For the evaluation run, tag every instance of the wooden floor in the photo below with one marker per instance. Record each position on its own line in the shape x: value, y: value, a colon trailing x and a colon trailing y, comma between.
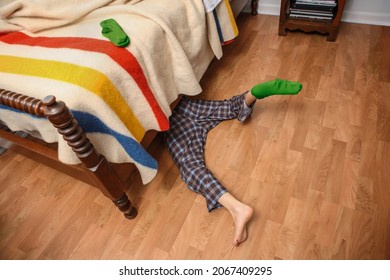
x: 315, y: 167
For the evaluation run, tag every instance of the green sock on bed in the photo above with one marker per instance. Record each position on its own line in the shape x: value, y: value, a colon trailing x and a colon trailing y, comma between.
x: 114, y: 32
x: 277, y: 86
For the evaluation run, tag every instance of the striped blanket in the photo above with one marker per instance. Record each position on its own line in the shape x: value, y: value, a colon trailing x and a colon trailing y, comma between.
x: 116, y: 94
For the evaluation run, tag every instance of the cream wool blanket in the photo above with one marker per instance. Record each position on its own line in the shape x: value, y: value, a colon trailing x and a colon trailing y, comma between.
x: 122, y: 92
x: 37, y: 15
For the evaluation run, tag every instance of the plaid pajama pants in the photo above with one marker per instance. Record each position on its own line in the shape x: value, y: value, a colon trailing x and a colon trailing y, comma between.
x: 190, y: 122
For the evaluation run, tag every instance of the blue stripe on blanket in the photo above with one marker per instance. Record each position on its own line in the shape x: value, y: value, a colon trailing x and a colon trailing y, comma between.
x: 218, y: 25
x: 90, y: 124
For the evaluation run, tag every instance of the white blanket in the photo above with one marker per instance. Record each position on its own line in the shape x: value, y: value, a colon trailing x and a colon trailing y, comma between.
x: 210, y: 5
x: 37, y: 15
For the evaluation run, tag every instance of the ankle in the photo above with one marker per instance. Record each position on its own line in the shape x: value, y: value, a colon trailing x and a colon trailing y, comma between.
x: 249, y: 99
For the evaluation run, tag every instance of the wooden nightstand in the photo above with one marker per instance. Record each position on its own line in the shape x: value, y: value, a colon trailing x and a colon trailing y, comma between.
x: 286, y: 22
x: 254, y: 5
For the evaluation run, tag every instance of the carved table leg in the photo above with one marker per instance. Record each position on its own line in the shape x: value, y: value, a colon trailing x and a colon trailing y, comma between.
x: 254, y: 6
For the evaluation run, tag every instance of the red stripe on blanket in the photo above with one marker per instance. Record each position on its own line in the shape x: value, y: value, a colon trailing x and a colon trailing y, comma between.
x: 122, y: 56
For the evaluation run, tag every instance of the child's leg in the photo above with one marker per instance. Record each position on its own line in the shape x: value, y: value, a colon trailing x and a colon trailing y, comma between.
x: 185, y: 141
x: 200, y: 180
x: 209, y: 113
x: 190, y: 122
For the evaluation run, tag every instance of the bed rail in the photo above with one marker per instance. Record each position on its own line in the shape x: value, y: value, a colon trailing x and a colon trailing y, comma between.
x: 96, y: 166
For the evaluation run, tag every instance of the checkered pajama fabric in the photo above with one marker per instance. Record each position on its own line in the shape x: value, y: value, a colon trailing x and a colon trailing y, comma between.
x: 190, y: 122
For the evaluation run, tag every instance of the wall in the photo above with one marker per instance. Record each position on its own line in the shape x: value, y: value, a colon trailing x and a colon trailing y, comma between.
x: 375, y: 12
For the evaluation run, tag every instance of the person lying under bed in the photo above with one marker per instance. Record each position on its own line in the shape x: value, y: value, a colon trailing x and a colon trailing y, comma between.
x: 190, y: 122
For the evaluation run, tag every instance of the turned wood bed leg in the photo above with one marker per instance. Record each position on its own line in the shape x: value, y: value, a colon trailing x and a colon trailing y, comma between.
x: 101, y: 171
x: 97, y: 167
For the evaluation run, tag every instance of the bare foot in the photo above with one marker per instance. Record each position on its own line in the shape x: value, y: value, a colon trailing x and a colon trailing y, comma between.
x: 241, y: 214
x: 241, y: 217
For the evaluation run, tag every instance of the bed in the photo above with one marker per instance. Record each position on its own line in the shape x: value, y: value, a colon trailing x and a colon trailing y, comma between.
x: 85, y: 106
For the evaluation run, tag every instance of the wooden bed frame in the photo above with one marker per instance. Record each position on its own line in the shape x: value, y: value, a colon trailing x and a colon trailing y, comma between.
x: 99, y: 171
x: 110, y: 179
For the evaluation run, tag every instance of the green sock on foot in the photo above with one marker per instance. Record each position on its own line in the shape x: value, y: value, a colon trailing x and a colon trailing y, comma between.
x: 276, y: 86
x: 114, y: 32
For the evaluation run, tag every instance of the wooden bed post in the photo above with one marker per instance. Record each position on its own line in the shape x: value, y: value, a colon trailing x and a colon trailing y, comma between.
x: 97, y: 167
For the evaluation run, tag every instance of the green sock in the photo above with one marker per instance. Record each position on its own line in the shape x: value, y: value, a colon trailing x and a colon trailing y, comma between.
x: 114, y: 32
x: 276, y: 86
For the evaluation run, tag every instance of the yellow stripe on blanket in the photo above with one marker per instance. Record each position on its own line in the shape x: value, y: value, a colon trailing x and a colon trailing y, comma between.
x: 85, y: 77
x: 231, y: 17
